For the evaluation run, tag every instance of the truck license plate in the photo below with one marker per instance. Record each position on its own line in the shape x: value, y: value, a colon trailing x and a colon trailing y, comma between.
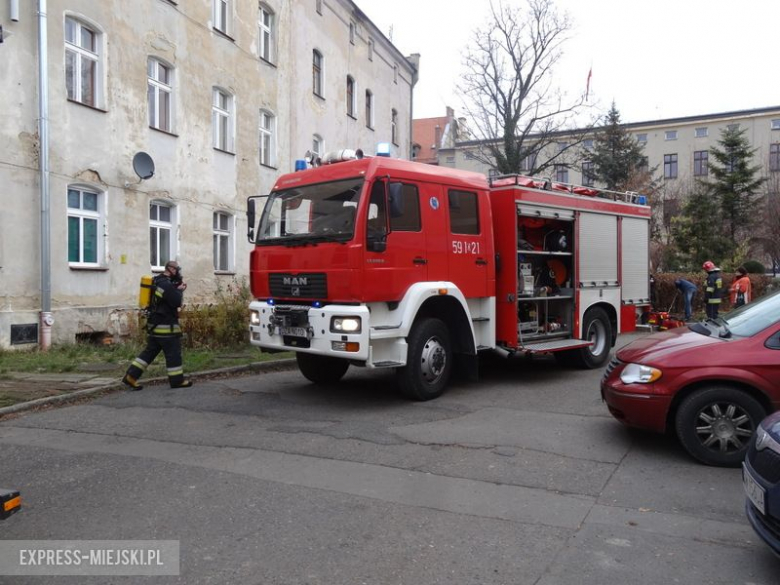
x: 294, y: 331
x: 753, y: 490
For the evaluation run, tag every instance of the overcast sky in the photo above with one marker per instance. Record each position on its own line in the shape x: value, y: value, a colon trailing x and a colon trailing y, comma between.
x: 655, y: 58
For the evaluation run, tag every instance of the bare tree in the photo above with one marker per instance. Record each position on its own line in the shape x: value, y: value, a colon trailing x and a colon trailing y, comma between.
x: 522, y: 120
x: 770, y: 228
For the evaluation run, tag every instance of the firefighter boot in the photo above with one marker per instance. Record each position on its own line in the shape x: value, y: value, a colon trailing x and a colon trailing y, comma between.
x: 131, y: 383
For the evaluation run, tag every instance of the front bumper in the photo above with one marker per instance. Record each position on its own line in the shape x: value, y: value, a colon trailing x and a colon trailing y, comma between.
x: 635, y: 405
x: 316, y: 323
x: 766, y: 526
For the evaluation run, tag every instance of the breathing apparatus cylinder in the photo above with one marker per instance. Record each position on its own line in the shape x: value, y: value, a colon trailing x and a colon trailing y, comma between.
x: 145, y: 292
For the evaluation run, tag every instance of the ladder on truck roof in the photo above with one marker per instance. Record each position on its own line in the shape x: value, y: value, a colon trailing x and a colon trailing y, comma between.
x: 546, y: 184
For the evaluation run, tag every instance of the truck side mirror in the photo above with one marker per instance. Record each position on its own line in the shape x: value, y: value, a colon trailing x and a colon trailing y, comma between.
x: 250, y: 220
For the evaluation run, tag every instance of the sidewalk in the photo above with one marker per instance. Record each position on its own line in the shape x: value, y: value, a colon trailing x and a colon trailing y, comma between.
x: 20, y: 391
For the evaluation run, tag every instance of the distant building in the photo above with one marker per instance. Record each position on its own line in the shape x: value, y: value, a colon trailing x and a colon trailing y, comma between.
x: 679, y: 148
x: 430, y: 136
x: 223, y: 95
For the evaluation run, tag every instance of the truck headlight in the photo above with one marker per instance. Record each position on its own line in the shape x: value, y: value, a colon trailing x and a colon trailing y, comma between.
x: 639, y: 374
x: 254, y: 317
x: 345, y: 325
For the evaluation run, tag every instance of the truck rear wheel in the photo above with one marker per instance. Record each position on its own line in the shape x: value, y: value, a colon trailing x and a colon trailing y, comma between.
x: 596, y: 329
x: 321, y: 369
x: 429, y: 361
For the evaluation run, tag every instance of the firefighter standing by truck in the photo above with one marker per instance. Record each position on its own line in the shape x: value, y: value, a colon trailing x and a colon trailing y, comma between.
x: 713, y: 289
x: 164, y: 331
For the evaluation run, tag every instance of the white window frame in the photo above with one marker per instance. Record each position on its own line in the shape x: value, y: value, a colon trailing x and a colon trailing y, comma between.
x: 352, y: 33
x: 223, y: 19
x: 97, y: 215
x: 701, y: 132
x: 642, y: 137
x: 318, y: 87
x: 267, y: 142
x: 370, y: 109
x: 370, y: 49
x: 155, y: 227
x: 266, y: 23
x: 775, y: 124
x: 73, y: 85
x: 155, y: 89
x: 223, y: 227
x: 223, y: 119
x: 394, y: 126
x: 351, y: 99
x: 670, y: 135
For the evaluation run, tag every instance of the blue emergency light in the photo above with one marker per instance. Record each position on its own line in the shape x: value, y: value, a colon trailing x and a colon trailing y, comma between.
x: 300, y: 165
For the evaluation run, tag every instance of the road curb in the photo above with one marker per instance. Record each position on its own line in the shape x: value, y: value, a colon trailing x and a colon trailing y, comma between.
x: 257, y: 367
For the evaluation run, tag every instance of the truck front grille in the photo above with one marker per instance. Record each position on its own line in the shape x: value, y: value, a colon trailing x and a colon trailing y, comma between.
x: 293, y: 286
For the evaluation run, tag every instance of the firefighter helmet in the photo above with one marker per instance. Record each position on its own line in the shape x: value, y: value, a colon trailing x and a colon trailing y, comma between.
x: 708, y: 265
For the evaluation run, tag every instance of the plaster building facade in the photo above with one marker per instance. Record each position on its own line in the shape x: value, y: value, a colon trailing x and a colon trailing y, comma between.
x: 223, y: 95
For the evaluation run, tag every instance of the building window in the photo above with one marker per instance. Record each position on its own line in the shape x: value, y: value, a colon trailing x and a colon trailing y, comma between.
x: 82, y: 62
x: 641, y: 137
x: 670, y: 135
x: 561, y: 173
x: 701, y: 132
x: 267, y: 34
x: 369, y: 109
x: 670, y: 166
x: 317, y: 73
x: 222, y: 122
x: 352, y: 32
x: 317, y: 146
x: 267, y: 139
x: 774, y: 157
x: 161, y: 234
x: 776, y: 124
x: 588, y: 143
x: 351, y: 107
x: 528, y: 164
x: 223, y: 242
x: 318, y: 6
x: 160, y: 95
x: 464, y: 212
x: 700, y: 158
x: 733, y: 127
x: 394, y: 126
x: 85, y: 226
x: 371, y: 56
x: 223, y: 16
x: 395, y: 73
x: 587, y: 174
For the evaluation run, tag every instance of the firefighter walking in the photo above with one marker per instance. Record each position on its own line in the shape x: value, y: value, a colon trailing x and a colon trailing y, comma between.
x: 713, y: 289
x: 164, y: 331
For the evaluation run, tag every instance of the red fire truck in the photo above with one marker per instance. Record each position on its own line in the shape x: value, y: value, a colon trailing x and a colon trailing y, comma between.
x: 384, y: 263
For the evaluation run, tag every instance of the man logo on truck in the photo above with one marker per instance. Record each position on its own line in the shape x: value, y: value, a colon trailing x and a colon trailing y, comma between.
x: 295, y: 280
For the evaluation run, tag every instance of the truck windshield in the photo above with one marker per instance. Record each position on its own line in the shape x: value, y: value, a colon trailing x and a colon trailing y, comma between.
x: 309, y: 214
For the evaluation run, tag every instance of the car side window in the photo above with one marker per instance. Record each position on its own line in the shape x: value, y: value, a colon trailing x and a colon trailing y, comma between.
x: 773, y: 342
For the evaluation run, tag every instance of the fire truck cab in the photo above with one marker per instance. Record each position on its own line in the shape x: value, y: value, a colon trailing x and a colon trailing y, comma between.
x: 384, y: 263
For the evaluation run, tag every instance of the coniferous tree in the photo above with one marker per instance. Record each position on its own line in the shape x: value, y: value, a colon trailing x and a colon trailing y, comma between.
x: 618, y: 158
x: 698, y: 231
x: 735, y: 184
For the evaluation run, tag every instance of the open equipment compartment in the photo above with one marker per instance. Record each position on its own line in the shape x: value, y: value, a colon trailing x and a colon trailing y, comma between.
x: 545, y: 273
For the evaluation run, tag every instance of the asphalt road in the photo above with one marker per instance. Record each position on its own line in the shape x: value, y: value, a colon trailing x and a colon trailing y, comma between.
x: 522, y: 478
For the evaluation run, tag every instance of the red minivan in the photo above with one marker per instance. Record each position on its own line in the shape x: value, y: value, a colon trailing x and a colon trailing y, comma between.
x: 710, y: 382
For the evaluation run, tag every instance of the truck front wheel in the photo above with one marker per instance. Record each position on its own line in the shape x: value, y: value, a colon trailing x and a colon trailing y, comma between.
x: 321, y: 369
x: 428, y: 362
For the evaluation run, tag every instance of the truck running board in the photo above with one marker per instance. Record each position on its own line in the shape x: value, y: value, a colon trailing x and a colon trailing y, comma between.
x: 554, y: 345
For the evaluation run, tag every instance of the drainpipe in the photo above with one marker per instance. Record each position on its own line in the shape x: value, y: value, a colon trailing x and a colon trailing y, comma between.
x: 414, y: 59
x: 46, y: 318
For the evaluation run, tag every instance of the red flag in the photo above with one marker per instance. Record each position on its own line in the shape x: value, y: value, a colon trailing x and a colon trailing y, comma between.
x: 587, y: 85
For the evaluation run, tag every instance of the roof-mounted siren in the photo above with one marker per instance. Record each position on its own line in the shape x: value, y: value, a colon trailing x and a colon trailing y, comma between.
x: 338, y: 156
x: 143, y: 165
x: 383, y: 149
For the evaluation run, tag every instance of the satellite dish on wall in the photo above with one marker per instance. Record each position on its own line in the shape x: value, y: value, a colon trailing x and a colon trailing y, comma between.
x: 143, y: 165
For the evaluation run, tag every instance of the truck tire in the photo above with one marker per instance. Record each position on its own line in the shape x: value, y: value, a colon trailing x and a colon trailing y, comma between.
x: 321, y: 369
x: 715, y: 424
x: 595, y: 328
x: 429, y: 361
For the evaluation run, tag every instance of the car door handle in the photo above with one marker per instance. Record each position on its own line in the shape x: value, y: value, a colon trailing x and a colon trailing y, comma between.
x: 419, y: 260
x: 481, y: 262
